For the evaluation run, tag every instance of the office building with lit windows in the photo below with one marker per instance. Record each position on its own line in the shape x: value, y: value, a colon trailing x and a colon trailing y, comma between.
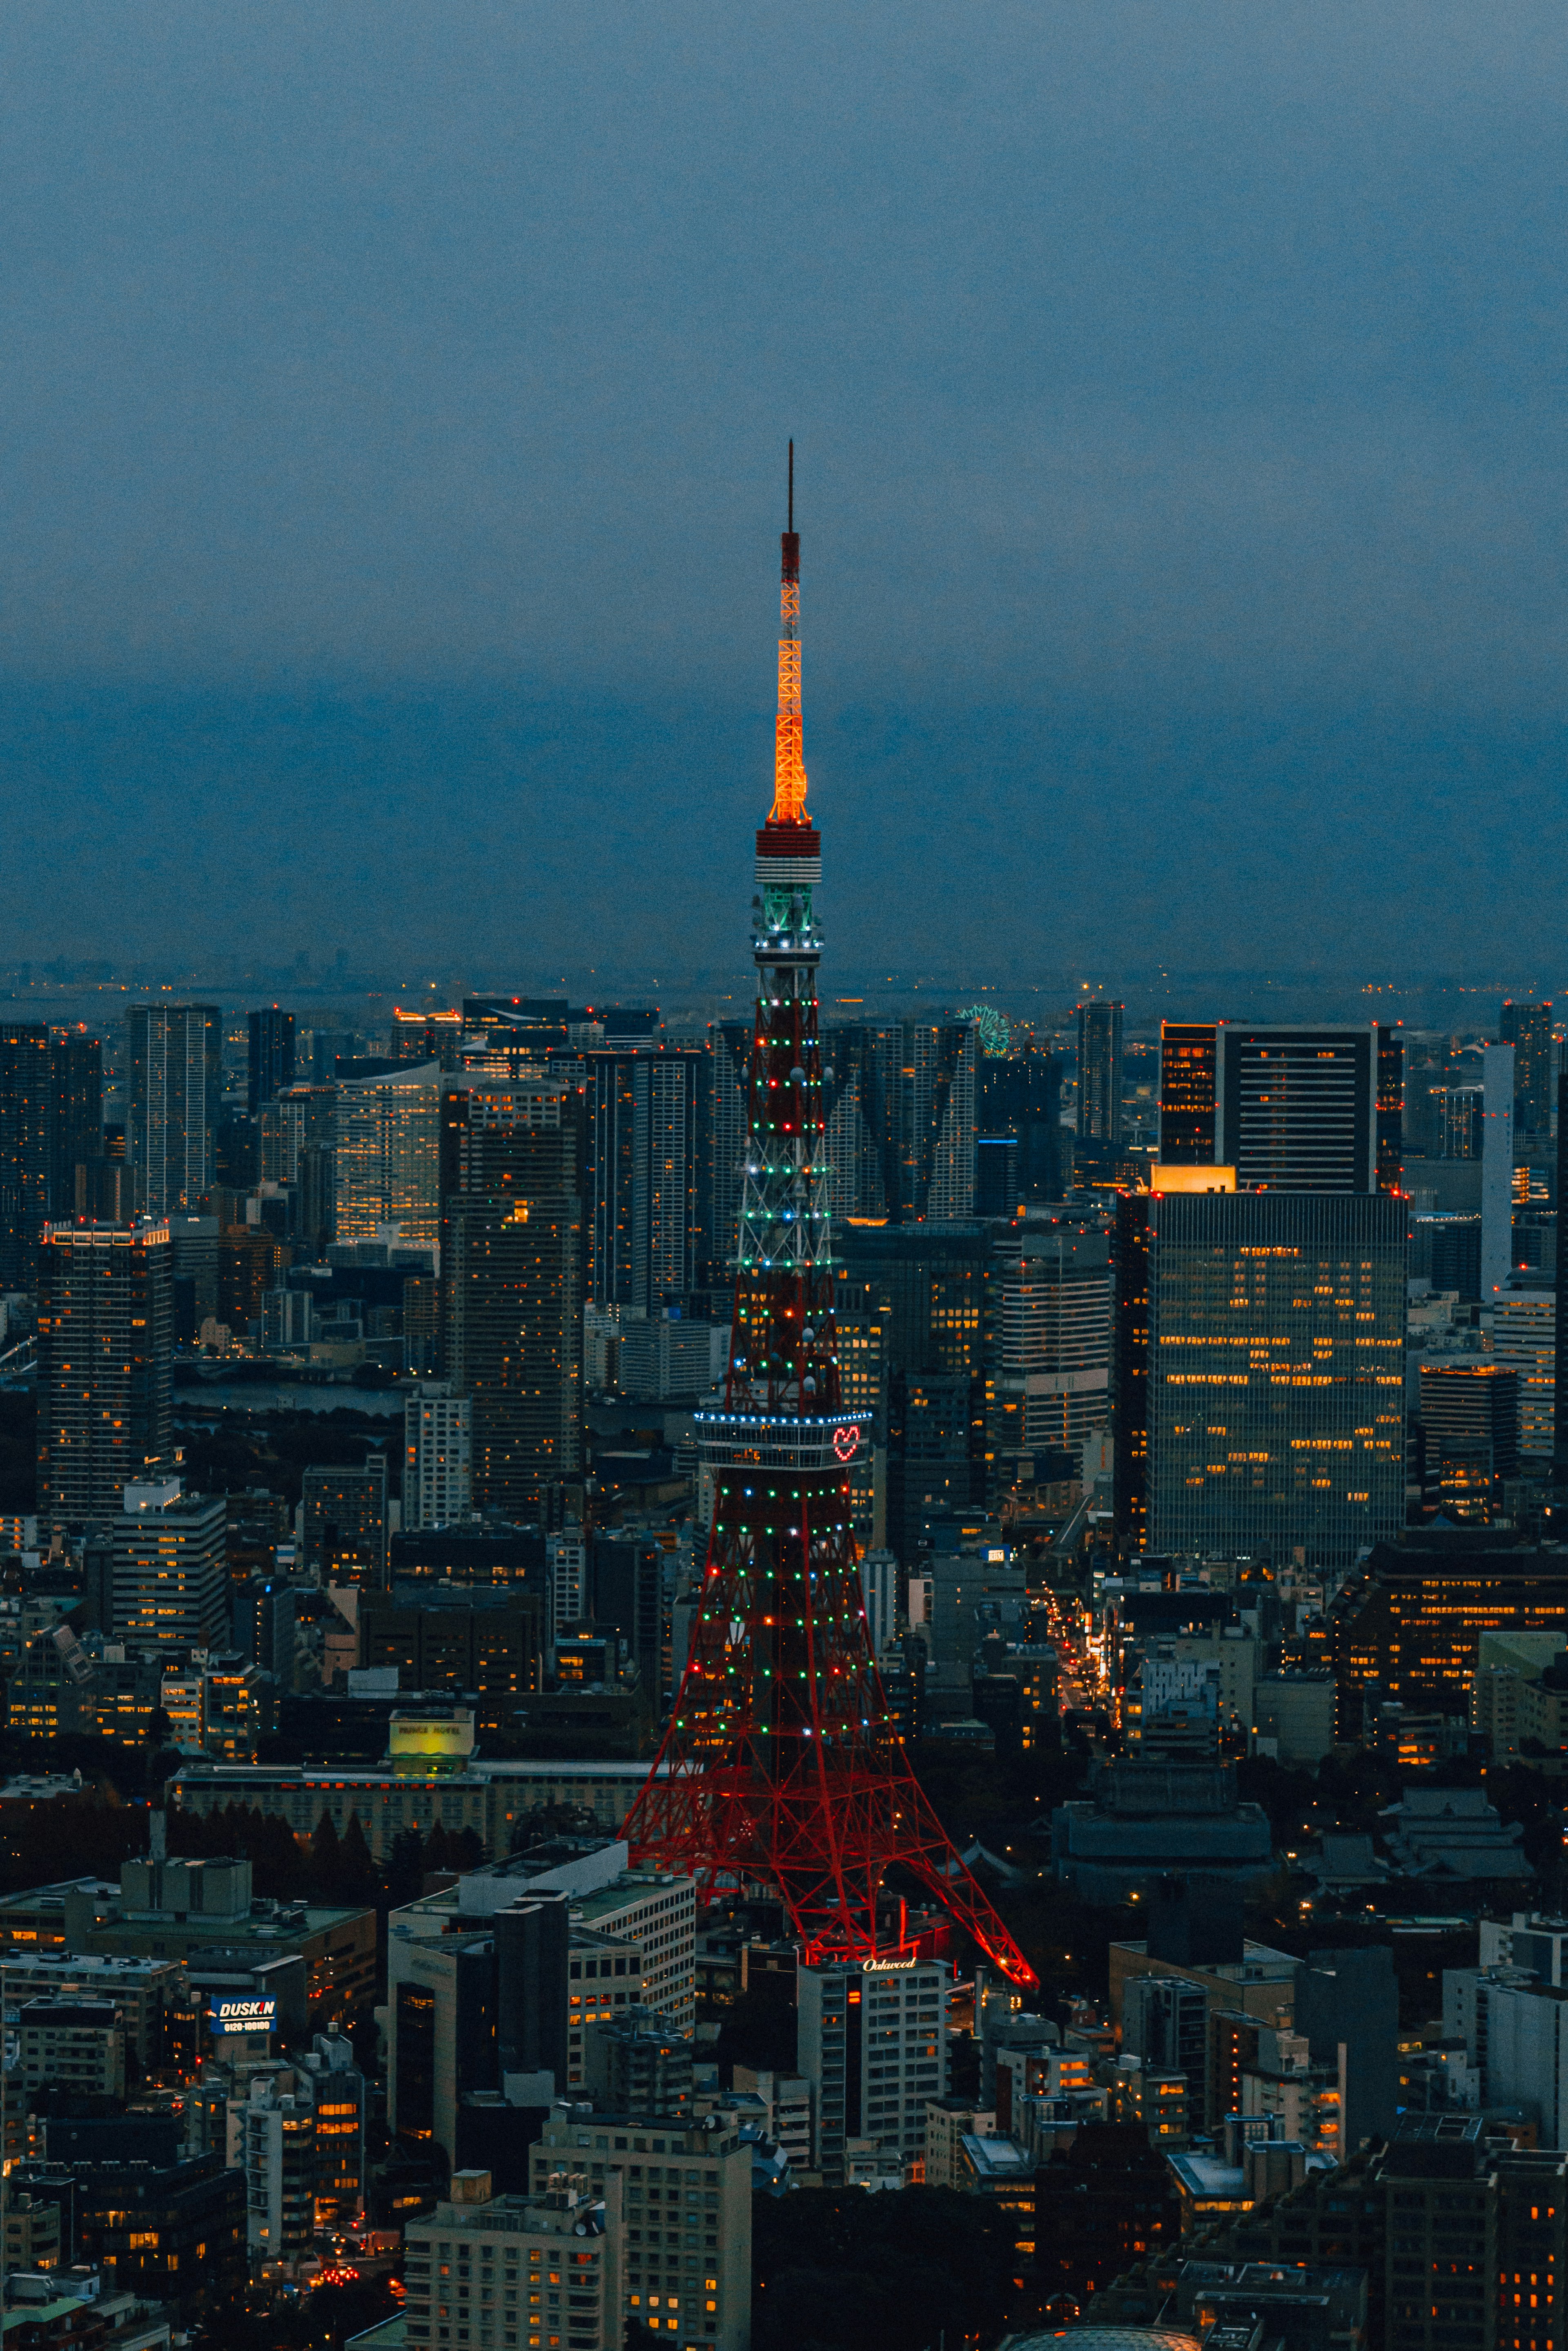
x: 1407, y: 1623
x: 105, y: 1394
x: 1275, y: 1360
x: 861, y: 1317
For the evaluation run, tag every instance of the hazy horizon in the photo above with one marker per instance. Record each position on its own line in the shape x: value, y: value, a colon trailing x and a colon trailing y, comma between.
x: 397, y: 401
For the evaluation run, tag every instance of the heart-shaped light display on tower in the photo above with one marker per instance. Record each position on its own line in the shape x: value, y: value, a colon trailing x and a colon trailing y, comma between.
x: 846, y: 1443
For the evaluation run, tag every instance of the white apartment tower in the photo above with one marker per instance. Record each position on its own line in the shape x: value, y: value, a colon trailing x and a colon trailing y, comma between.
x: 874, y: 2046
x: 438, y: 1457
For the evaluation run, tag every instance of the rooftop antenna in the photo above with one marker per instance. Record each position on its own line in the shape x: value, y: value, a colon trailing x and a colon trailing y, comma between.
x: 791, y: 523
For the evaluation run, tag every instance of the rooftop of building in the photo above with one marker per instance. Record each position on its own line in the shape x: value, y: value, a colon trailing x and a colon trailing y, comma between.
x: 995, y: 2159
x: 582, y: 2128
x: 1208, y: 2177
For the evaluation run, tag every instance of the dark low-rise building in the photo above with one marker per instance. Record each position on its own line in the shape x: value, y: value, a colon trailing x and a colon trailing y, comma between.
x: 1144, y: 1820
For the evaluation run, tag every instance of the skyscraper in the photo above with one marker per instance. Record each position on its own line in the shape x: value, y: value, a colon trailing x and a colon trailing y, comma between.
x: 105, y: 1403
x: 77, y: 1140
x: 174, y: 1099
x: 1294, y: 1109
x: 1100, y: 1071
x: 271, y: 1056
x: 386, y: 1155
x: 1274, y: 1363
x: 26, y: 1126
x: 512, y: 1290
x: 1528, y: 1029
x: 646, y: 1233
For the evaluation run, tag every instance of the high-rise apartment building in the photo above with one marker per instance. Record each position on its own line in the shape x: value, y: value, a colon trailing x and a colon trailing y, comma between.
x: 512, y: 1291
x: 438, y: 1456
x: 1296, y: 1109
x: 645, y: 1160
x: 271, y: 1061
x: 1100, y: 1071
x: 386, y: 1161
x: 105, y: 1347
x: 1270, y: 1327
x: 873, y: 2044
x: 1048, y: 1342
x: 1527, y: 1027
x: 174, y: 1095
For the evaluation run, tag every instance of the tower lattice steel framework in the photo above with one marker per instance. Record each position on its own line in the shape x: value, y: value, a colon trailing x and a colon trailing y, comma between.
x: 773, y: 1771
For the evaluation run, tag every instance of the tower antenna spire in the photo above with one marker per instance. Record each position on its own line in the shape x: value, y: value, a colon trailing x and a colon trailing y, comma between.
x: 789, y: 759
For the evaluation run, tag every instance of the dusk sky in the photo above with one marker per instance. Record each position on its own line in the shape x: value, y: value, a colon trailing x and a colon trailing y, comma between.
x: 393, y: 401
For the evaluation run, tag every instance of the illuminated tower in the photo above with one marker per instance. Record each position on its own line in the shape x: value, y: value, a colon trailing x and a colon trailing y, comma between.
x: 771, y: 1772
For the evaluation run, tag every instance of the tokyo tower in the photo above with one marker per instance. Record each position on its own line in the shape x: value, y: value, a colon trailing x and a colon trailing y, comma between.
x: 772, y: 1774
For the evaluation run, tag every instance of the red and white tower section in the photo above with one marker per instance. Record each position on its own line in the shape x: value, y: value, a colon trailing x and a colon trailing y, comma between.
x: 772, y: 1774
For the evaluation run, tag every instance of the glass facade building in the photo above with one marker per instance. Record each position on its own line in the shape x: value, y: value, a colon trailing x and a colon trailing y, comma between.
x: 1275, y: 1372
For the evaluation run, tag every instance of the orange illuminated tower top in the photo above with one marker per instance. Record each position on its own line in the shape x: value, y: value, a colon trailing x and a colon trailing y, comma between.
x: 789, y: 763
